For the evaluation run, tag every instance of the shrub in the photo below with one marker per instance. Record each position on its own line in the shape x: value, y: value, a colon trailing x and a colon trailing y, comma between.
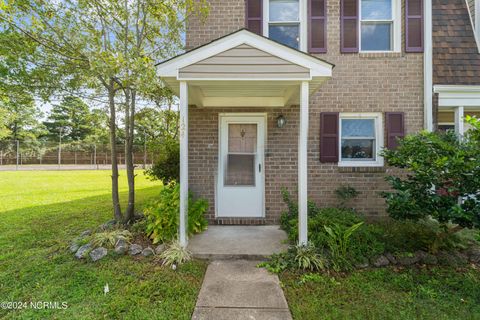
x: 441, y: 169
x: 307, y: 258
x: 427, y: 235
x: 174, y: 255
x: 296, y: 258
x: 162, y: 214
x: 365, y: 243
x: 345, y: 194
x: 109, y: 238
x: 167, y: 165
x: 339, y: 244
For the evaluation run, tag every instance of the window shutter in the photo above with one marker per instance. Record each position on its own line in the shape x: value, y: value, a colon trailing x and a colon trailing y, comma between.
x: 414, y: 25
x: 329, y: 137
x: 317, y: 26
x: 349, y: 26
x: 253, y: 16
x: 395, y: 124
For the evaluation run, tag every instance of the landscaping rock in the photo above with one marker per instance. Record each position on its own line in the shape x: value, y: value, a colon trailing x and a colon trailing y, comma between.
x: 363, y: 265
x: 447, y: 259
x: 85, y: 233
x: 74, y: 247
x: 98, y: 253
x: 160, y: 248
x: 82, y: 251
x: 473, y: 254
x: 380, y: 261
x: 429, y: 259
x: 148, y: 252
x: 121, y: 247
x: 461, y: 258
x: 407, y: 260
x: 135, y: 249
x: 391, y: 258
x: 108, y: 225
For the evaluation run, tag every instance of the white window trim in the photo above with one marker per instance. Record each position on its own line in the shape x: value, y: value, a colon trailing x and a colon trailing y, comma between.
x: 378, y: 117
x: 303, y: 16
x: 397, y: 28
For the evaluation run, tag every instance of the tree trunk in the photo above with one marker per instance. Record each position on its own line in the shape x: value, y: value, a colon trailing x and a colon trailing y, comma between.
x: 129, y: 132
x: 117, y: 211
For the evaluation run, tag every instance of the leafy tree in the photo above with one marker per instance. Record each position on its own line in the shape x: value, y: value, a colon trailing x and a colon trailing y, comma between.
x: 21, y: 116
x: 108, y: 46
x: 441, y: 178
x: 71, y: 118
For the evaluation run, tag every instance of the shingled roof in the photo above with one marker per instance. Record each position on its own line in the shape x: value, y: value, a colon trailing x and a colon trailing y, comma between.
x: 456, y: 59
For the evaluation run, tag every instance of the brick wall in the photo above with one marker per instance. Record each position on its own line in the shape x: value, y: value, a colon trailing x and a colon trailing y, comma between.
x: 361, y: 83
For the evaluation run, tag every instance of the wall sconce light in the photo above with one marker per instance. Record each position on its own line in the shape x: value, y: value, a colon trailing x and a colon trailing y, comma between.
x: 281, y: 121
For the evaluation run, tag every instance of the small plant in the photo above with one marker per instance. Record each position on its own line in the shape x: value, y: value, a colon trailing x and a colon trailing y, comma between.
x: 339, y: 242
x: 296, y: 258
x: 174, y: 255
x: 110, y: 238
x: 345, y: 194
x: 307, y: 258
x: 162, y: 218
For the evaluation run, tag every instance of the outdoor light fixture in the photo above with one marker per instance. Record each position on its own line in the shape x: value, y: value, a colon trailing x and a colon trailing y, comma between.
x: 281, y: 121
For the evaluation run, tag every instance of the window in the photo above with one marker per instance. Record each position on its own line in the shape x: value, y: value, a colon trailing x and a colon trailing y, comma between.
x: 378, y: 25
x: 283, y: 21
x: 361, y: 139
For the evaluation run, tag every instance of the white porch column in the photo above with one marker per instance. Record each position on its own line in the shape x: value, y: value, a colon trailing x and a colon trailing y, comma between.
x: 303, y: 165
x: 183, y: 163
x: 459, y: 124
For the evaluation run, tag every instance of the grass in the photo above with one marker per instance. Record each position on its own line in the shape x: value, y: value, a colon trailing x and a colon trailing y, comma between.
x: 40, y: 213
x: 438, y: 293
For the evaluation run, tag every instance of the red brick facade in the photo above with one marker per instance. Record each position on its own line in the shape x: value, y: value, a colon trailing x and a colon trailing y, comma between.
x: 373, y: 82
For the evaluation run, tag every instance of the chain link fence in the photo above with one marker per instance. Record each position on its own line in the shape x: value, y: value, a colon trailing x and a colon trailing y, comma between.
x: 37, y: 155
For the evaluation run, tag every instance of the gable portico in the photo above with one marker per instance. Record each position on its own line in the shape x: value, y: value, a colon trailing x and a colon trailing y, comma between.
x: 251, y: 74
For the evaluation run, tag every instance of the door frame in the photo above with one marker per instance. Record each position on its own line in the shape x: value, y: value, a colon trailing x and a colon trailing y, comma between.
x: 218, y: 177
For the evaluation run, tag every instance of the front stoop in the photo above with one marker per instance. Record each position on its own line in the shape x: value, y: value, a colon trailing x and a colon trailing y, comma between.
x: 238, y: 242
x: 239, y: 290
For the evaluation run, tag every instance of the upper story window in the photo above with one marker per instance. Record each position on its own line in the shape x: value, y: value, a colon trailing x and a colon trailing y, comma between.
x: 378, y: 25
x: 284, y: 22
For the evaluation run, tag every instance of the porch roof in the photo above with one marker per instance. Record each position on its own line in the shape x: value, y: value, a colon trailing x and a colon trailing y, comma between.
x: 244, y: 69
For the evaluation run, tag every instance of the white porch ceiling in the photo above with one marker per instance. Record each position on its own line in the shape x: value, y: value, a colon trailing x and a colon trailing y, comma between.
x: 214, y: 93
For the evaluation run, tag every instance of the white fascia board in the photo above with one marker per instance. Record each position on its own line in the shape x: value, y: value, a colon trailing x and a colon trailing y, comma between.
x: 458, y: 95
x: 317, y: 67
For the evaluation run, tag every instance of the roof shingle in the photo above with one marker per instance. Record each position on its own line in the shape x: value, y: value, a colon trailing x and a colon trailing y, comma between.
x: 456, y: 59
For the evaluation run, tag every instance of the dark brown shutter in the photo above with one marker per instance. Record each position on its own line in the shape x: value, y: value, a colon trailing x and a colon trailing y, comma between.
x: 317, y: 26
x: 395, y: 124
x: 349, y: 26
x: 329, y: 137
x: 253, y: 16
x: 414, y: 25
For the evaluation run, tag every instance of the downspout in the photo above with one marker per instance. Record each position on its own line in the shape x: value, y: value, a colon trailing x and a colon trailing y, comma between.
x: 427, y: 68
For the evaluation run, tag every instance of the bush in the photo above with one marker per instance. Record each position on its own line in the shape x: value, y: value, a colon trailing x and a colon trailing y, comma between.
x: 167, y: 166
x: 162, y: 214
x: 364, y: 243
x: 305, y: 258
x: 174, y: 255
x: 109, y: 238
x: 441, y: 169
x: 427, y: 235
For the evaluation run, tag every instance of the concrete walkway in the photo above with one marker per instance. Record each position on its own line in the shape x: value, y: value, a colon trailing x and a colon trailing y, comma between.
x: 239, y: 290
x: 238, y: 242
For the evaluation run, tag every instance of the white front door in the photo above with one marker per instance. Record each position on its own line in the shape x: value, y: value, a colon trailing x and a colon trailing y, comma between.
x: 240, y: 184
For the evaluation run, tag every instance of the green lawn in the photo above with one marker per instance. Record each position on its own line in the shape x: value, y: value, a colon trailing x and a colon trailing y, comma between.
x: 440, y: 294
x: 40, y: 213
